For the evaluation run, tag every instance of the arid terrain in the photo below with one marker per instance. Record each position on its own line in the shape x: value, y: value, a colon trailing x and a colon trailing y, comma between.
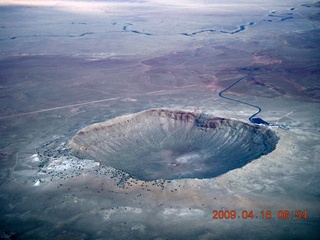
x: 240, y: 161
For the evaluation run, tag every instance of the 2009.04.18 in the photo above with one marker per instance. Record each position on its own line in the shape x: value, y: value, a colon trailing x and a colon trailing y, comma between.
x: 264, y: 214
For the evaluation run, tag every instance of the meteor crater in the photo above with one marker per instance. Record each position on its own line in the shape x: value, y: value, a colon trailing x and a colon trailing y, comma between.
x: 173, y: 144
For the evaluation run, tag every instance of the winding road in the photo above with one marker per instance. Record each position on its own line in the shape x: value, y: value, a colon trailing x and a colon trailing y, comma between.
x: 251, y: 118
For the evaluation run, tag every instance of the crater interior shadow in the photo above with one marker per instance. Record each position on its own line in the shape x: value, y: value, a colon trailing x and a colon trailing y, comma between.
x: 173, y: 144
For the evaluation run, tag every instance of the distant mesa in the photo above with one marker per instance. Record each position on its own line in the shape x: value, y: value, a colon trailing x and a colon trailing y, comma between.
x: 173, y: 144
